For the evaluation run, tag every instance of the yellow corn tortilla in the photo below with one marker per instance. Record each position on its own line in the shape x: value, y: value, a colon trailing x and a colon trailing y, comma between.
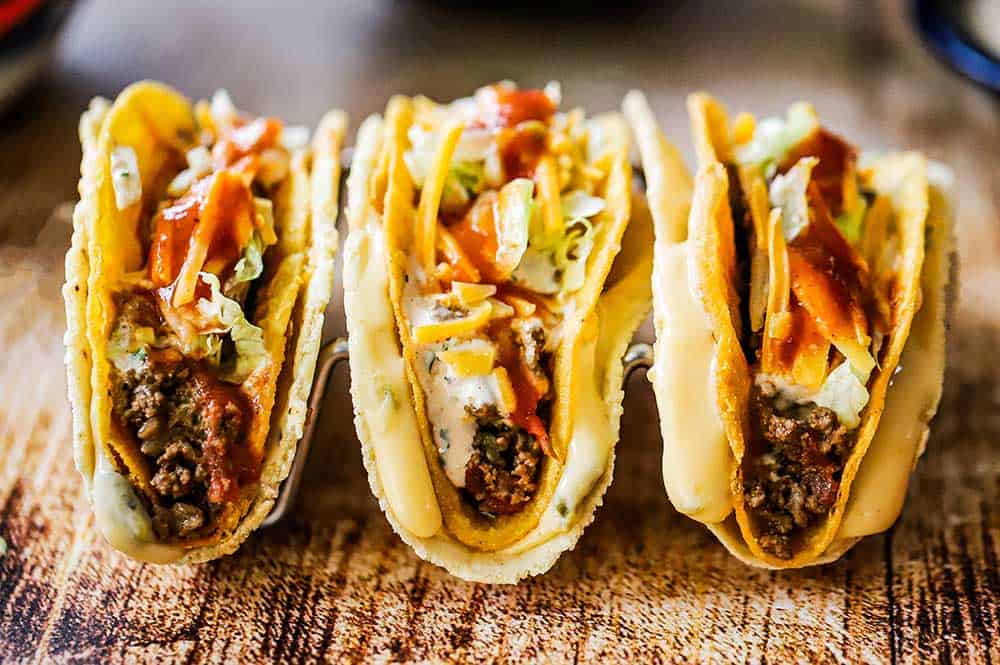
x: 422, y: 505
x: 155, y: 121
x: 879, y: 488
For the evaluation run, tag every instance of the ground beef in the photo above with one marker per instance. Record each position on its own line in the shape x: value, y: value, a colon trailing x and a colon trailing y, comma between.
x: 186, y: 424
x: 795, y: 471
x: 138, y: 310
x: 502, y: 474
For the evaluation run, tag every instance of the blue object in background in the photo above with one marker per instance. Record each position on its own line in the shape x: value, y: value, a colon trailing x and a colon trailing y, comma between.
x: 944, y: 26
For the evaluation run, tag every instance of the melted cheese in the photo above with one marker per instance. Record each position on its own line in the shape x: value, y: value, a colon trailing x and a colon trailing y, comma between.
x: 381, y: 392
x: 122, y: 519
x: 697, y: 461
x: 879, y: 489
x: 593, y: 435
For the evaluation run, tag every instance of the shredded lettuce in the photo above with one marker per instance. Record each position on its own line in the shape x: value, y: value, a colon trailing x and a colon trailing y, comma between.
x: 572, y: 253
x: 558, y: 264
x: 473, y: 145
x: 579, y: 204
x: 227, y: 317
x: 514, y: 211
x: 537, y: 271
x: 199, y: 164
x: 206, y: 347
x: 852, y: 220
x: 774, y: 137
x: 788, y: 192
x: 561, y: 266
x: 251, y: 264
x: 844, y: 393
x: 467, y: 174
x: 465, y: 180
x: 421, y: 153
x: 454, y: 197
x: 470, y: 175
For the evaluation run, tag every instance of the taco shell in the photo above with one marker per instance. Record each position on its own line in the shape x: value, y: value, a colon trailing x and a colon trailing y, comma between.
x: 424, y: 508
x: 697, y: 307
x: 157, y: 123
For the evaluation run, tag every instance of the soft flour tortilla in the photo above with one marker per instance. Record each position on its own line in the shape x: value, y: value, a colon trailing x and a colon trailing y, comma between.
x: 903, y: 177
x: 388, y: 406
x: 153, y: 119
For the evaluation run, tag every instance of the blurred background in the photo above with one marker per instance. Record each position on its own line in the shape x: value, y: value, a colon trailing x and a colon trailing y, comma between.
x: 862, y: 64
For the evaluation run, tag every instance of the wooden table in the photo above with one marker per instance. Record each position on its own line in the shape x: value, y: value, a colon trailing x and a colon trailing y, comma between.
x: 644, y: 583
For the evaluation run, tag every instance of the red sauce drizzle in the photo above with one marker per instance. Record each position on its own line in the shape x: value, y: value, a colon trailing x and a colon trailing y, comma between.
x: 502, y: 106
x: 837, y: 159
x: 244, y: 139
x: 829, y: 277
x: 228, y: 465
x: 219, y: 206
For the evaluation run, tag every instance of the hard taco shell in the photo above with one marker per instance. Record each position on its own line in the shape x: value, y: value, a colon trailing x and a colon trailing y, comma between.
x: 156, y: 121
x: 419, y: 501
x: 889, y: 452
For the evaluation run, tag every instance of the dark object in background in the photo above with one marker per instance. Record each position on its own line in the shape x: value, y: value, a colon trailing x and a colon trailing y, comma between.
x: 28, y: 31
x: 964, y: 34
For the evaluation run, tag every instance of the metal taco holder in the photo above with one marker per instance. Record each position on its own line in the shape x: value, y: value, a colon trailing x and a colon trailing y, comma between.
x: 639, y: 355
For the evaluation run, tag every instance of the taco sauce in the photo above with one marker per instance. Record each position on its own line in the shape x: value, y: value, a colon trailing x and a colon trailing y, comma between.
x: 489, y: 386
x: 800, y: 441
x: 184, y: 392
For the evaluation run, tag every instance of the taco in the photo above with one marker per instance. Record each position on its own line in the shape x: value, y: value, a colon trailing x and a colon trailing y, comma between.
x: 486, y: 335
x: 802, y: 275
x: 196, y: 283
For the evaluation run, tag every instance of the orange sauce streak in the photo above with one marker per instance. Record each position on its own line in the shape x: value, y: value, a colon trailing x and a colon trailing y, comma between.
x: 218, y: 211
x: 227, y: 466
x: 829, y: 277
x: 804, y: 337
x: 245, y: 138
x: 509, y: 357
x: 476, y: 235
x: 837, y: 159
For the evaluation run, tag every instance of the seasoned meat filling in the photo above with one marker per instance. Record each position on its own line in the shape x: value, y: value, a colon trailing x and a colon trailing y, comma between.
x: 795, y: 482
x: 501, y: 476
x: 186, y: 424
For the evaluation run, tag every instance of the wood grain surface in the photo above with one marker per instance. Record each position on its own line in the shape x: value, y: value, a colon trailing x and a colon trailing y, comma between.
x: 334, y: 582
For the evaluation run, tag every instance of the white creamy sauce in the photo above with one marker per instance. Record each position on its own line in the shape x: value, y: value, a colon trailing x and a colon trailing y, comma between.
x: 697, y: 460
x: 419, y: 309
x: 447, y: 397
x: 121, y: 517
